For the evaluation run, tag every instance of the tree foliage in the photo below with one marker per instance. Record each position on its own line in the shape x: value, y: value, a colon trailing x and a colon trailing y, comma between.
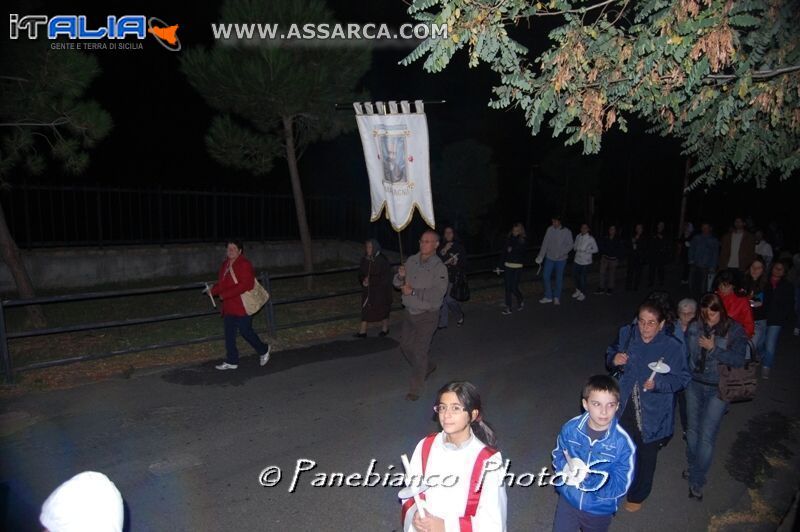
x: 44, y: 112
x: 721, y: 75
x: 255, y: 84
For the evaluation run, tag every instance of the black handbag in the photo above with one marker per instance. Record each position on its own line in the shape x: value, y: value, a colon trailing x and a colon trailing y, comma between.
x: 737, y: 385
x: 460, y: 289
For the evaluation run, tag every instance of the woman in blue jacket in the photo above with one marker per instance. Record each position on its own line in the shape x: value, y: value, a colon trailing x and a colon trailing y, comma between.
x: 712, y: 339
x: 647, y: 407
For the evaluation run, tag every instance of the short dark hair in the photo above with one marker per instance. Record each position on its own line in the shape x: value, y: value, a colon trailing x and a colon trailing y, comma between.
x: 659, y: 303
x: 236, y: 242
x: 726, y: 277
x: 600, y: 383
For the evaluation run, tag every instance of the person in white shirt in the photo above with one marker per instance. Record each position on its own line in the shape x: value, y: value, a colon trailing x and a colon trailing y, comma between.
x: 555, y: 249
x: 585, y: 246
x: 462, y: 468
x: 764, y: 249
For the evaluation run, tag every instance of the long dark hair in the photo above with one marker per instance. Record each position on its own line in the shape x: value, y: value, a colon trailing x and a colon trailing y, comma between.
x: 756, y: 285
x: 712, y: 301
x: 236, y: 242
x: 469, y: 397
x: 455, y: 235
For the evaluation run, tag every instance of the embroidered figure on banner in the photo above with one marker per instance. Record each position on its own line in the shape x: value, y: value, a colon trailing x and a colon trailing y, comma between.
x: 393, y: 150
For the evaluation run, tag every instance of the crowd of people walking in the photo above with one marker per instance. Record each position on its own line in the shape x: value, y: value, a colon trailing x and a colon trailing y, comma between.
x: 665, y: 361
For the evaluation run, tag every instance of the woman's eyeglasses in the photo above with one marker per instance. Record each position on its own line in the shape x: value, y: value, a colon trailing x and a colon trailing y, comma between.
x: 456, y: 409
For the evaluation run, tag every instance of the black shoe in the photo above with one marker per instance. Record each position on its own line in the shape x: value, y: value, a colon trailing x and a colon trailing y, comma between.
x: 440, y: 328
x: 599, y: 292
x: 360, y: 335
x: 685, y: 474
x: 696, y: 493
x: 384, y: 333
x: 411, y: 397
x: 609, y: 292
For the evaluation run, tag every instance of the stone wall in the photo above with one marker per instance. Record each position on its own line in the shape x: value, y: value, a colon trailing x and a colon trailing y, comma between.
x: 81, y: 268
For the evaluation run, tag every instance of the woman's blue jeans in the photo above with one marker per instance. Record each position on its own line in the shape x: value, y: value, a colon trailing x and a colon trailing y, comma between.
x: 770, y: 345
x: 704, y: 411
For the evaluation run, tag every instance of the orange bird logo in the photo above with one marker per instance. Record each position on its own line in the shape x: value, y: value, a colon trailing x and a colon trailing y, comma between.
x: 166, y: 34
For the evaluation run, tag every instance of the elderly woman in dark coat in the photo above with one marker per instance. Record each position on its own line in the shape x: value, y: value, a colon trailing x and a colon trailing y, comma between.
x: 376, y: 296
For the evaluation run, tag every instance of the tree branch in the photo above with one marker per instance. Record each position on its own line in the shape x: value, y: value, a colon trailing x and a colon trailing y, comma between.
x: 54, y: 123
x: 759, y: 74
x: 577, y: 11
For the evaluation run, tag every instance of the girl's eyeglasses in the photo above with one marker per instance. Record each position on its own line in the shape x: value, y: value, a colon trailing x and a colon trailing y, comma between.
x: 456, y: 409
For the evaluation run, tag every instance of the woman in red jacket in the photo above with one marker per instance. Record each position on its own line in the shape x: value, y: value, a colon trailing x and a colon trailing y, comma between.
x: 736, y: 306
x: 235, y: 278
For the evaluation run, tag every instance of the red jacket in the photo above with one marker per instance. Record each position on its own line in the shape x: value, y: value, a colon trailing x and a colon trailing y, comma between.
x: 738, y: 308
x: 229, y: 290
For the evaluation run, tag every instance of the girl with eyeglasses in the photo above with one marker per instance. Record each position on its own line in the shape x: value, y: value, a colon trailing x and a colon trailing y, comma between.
x: 460, y: 465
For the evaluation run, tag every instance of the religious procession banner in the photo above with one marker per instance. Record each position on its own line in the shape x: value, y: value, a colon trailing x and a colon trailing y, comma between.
x: 395, y: 142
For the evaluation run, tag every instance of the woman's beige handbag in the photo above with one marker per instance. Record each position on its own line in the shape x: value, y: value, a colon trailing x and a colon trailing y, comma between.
x: 255, y: 298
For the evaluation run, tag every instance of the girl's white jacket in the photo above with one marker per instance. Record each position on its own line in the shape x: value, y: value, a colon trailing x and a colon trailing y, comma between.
x: 585, y: 247
x: 449, y: 470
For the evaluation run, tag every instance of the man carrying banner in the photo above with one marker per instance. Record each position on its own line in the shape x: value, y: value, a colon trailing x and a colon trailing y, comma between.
x: 423, y: 281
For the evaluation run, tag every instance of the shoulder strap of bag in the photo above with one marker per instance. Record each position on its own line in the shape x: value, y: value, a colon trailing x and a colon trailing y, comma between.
x: 629, y: 338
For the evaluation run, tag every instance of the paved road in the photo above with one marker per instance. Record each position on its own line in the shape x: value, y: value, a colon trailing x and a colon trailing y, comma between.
x: 186, y: 446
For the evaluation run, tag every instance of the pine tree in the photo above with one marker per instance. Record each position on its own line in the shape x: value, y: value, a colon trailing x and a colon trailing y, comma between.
x: 275, y: 98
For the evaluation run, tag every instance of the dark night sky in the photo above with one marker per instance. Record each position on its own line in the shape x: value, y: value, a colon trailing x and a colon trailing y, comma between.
x: 640, y: 174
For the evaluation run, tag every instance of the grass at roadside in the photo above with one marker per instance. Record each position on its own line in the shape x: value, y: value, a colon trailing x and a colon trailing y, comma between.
x: 59, y: 346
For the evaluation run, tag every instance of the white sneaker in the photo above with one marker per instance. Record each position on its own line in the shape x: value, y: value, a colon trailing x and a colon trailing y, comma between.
x: 797, y: 331
x: 545, y: 300
x: 576, y: 293
x: 506, y: 312
x: 225, y: 365
x: 263, y: 359
x: 556, y: 301
x: 581, y: 297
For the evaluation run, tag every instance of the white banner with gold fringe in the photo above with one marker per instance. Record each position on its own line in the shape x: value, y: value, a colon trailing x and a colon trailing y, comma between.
x: 395, y: 142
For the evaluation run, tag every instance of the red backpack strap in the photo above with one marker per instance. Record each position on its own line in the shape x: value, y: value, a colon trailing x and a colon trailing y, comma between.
x: 426, y: 449
x: 427, y: 443
x: 474, y: 496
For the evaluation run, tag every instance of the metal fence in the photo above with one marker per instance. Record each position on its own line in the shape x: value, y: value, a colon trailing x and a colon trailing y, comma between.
x: 269, y: 315
x: 48, y: 216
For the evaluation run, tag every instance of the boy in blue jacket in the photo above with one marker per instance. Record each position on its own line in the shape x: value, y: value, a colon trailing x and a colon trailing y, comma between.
x: 595, y: 457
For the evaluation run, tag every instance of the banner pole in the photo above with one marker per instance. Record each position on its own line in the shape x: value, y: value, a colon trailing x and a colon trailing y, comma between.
x: 400, y: 245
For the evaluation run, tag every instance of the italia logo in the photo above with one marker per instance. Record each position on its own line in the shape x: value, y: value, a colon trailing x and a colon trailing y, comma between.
x: 76, y: 27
